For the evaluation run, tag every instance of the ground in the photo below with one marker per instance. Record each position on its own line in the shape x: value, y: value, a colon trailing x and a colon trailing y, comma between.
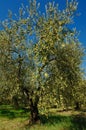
x: 11, y: 119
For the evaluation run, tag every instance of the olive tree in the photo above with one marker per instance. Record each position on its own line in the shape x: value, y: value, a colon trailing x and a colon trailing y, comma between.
x: 40, y: 55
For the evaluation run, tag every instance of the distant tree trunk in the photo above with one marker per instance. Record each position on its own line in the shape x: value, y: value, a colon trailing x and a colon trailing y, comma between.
x: 77, y: 106
x: 15, y: 102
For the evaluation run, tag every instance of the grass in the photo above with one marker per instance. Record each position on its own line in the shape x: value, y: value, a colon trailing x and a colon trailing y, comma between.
x: 11, y: 119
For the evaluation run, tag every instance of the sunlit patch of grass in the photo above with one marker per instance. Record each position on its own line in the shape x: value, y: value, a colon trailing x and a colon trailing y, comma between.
x: 14, y: 124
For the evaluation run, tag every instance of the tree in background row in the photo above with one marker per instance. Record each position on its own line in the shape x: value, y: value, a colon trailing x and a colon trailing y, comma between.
x: 41, y: 57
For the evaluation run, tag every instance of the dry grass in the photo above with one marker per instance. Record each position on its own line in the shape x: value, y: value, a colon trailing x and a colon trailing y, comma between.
x: 13, y: 124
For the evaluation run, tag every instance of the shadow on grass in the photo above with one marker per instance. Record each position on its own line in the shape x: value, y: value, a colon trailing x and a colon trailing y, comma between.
x: 67, y: 122
x: 78, y: 123
x: 10, y: 112
x: 51, y: 119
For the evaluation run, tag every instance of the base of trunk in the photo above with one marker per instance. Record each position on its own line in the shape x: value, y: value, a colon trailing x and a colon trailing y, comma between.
x: 34, y: 120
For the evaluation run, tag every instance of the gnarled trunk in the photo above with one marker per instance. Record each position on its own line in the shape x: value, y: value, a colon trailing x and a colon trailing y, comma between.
x: 34, y: 114
x: 34, y: 111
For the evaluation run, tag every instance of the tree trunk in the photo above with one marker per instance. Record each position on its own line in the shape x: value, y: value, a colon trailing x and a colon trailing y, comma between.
x: 15, y: 102
x: 77, y: 106
x: 34, y: 112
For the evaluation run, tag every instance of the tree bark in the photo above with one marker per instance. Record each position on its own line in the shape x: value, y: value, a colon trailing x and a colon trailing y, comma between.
x: 34, y: 111
x: 34, y: 114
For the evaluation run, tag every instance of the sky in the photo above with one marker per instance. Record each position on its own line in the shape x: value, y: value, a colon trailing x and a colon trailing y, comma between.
x: 79, y: 21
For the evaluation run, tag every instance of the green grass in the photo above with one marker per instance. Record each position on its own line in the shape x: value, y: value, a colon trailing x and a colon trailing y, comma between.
x: 11, y: 113
x: 11, y: 119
